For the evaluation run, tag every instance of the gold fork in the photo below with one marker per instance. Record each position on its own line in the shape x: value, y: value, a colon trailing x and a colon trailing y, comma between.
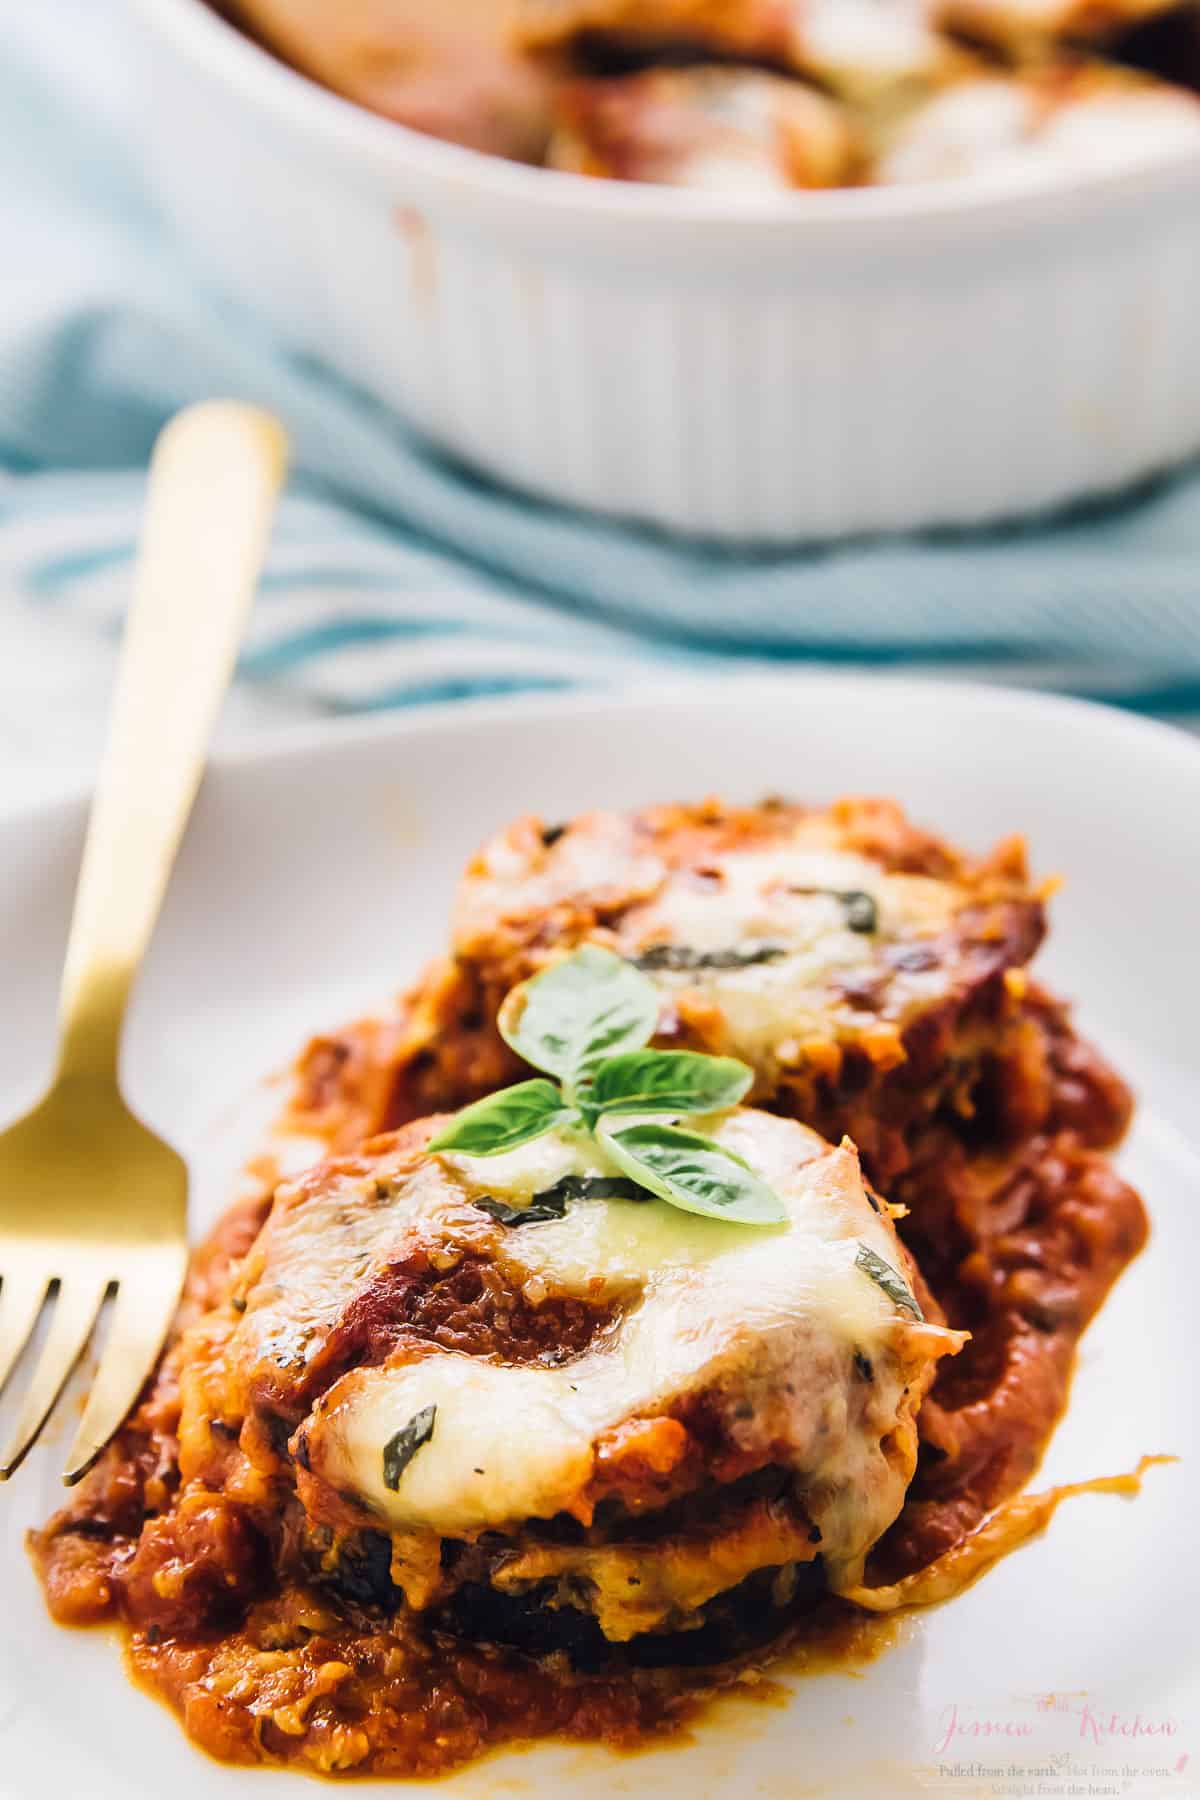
x: 90, y: 1199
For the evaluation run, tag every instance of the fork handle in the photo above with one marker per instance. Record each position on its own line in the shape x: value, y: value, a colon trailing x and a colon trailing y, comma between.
x: 214, y: 477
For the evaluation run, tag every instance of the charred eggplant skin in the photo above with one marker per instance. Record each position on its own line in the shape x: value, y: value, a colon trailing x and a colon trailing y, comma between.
x: 742, y: 1619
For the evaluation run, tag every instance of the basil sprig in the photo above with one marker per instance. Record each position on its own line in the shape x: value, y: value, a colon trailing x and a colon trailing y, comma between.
x: 570, y: 1018
x: 586, y: 1021
x: 692, y: 1172
x: 666, y: 1081
x: 503, y: 1121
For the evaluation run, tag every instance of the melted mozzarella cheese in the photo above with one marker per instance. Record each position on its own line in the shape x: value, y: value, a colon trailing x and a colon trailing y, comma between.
x: 1027, y: 27
x: 1117, y: 129
x: 790, y: 892
x: 860, y: 46
x: 788, y: 896
x: 716, y: 128
x: 996, y: 124
x: 978, y: 125
x: 328, y: 1238
x: 610, y: 1246
x: 506, y: 879
x: 766, y: 1322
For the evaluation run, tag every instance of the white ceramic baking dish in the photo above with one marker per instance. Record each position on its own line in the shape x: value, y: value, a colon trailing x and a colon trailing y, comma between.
x: 812, y: 365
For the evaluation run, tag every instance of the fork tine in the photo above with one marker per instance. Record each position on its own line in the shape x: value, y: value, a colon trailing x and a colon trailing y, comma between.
x: 139, y: 1325
x: 20, y: 1304
x: 73, y: 1316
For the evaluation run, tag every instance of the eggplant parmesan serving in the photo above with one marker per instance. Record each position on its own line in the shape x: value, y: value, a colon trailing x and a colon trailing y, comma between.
x: 698, y: 1264
x: 753, y: 97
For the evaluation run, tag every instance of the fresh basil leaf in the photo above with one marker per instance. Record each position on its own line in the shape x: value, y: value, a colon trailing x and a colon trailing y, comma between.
x: 587, y: 1007
x: 668, y: 1081
x: 592, y: 1187
x: 502, y: 1121
x: 678, y: 958
x: 400, y: 1449
x: 693, y: 1173
x: 861, y: 912
x: 892, y: 1283
x: 551, y: 1203
x: 533, y: 1214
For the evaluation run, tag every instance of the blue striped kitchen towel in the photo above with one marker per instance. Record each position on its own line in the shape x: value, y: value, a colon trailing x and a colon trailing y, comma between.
x: 396, y: 578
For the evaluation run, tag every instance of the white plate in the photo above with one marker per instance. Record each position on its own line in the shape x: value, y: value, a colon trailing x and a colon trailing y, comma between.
x: 316, y: 877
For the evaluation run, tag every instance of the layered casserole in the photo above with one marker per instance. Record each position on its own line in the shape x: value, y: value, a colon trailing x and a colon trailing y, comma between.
x: 759, y: 96
x: 464, y: 1438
